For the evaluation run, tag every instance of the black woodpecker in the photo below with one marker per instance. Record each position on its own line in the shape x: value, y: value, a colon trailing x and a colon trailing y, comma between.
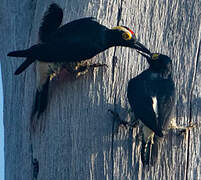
x: 75, y: 41
x: 151, y: 96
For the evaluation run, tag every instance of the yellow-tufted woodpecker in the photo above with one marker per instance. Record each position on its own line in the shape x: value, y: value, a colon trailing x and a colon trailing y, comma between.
x: 151, y: 96
x: 73, y: 42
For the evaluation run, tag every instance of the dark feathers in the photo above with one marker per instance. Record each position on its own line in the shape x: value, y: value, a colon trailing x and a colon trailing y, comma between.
x: 24, y: 65
x: 75, y: 41
x: 78, y: 40
x: 151, y: 95
x: 41, y: 100
x: 51, y: 21
x: 139, y: 96
x: 22, y: 53
x: 140, y: 91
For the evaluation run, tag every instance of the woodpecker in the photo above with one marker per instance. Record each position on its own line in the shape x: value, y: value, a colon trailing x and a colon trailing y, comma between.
x: 151, y: 96
x: 75, y: 41
x: 71, y: 43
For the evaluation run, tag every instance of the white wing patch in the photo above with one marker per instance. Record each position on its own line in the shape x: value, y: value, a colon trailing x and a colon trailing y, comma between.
x: 155, y: 105
x: 148, y: 134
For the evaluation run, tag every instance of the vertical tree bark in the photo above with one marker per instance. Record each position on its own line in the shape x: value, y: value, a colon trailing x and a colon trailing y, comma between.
x: 79, y: 140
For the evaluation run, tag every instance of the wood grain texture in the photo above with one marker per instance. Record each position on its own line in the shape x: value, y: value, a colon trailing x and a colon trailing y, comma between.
x: 79, y: 140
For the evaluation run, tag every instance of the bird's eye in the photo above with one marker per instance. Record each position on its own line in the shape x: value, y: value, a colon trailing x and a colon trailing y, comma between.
x: 126, y: 36
x: 155, y: 56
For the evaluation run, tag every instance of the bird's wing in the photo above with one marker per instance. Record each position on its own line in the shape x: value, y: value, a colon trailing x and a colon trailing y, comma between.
x: 51, y: 21
x: 60, y: 51
x: 166, y: 101
x: 142, y: 104
x: 165, y: 106
x: 84, y: 26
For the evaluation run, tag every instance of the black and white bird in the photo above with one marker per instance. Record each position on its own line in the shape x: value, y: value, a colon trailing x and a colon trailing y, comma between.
x: 151, y: 96
x: 75, y: 41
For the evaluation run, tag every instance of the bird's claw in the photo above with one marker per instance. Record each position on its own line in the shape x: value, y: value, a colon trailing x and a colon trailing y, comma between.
x: 118, y: 119
x: 82, y: 69
x: 98, y: 65
x: 183, y: 129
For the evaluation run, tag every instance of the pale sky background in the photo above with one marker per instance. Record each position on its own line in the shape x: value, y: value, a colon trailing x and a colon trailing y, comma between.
x: 1, y: 131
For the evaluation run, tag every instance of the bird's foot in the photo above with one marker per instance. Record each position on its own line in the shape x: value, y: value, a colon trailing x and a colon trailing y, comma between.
x: 97, y: 65
x: 54, y: 70
x: 121, y: 122
x: 117, y: 118
x: 117, y: 121
x: 52, y: 76
x: 182, y: 130
x: 83, y: 68
x: 72, y: 70
x: 134, y: 123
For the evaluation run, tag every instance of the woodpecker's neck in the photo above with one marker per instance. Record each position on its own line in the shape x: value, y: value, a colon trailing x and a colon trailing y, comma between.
x: 163, y: 71
x: 160, y: 75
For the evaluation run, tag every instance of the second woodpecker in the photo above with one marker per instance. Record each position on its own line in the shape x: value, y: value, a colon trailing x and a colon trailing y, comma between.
x: 151, y: 96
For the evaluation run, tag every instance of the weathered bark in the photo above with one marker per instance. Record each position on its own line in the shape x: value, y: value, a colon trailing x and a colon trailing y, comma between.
x: 79, y: 140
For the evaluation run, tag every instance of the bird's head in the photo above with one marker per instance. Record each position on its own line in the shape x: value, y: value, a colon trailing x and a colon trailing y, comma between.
x: 159, y: 63
x: 123, y: 36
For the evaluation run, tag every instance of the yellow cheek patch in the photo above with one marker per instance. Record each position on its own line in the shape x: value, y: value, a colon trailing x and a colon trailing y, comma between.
x: 126, y: 35
x: 155, y: 56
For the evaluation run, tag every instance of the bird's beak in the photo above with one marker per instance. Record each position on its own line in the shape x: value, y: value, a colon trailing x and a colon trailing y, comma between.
x: 141, y: 48
x: 144, y: 54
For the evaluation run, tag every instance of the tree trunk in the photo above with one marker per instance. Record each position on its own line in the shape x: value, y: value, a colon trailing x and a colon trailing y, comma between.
x: 79, y: 140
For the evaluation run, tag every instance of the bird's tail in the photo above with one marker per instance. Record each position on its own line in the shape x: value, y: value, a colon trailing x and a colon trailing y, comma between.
x: 40, y: 104
x: 21, y: 53
x: 24, y: 65
x: 145, y: 152
x: 150, y: 151
x: 156, y: 149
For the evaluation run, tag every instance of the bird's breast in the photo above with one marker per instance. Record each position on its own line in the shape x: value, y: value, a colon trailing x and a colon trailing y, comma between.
x: 154, y: 76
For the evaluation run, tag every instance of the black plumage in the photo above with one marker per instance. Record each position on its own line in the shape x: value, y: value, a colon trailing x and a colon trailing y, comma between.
x: 151, y: 96
x: 73, y: 42
x: 51, y: 21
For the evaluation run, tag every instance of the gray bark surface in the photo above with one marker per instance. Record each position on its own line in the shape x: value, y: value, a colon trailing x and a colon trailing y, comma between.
x: 78, y: 141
